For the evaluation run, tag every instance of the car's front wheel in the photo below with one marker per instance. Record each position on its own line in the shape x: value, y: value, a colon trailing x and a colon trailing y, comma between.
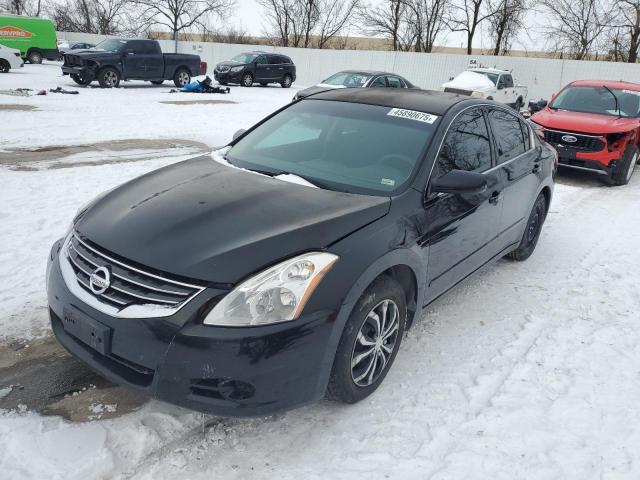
x: 109, y: 78
x: 247, y: 80
x: 369, y: 342
x: 532, y: 230
x: 4, y: 66
x: 623, y: 171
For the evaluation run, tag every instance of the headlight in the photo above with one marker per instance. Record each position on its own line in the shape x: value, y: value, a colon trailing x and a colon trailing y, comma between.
x: 277, y: 294
x: 237, y: 69
x: 477, y: 94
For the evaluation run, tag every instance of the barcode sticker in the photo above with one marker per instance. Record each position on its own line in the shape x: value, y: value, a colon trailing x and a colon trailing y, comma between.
x: 412, y: 115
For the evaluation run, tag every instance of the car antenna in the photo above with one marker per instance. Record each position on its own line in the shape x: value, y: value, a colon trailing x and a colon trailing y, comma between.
x: 616, y: 99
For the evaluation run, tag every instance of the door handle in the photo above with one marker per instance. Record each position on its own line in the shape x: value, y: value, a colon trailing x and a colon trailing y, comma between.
x: 536, y: 168
x: 495, y: 197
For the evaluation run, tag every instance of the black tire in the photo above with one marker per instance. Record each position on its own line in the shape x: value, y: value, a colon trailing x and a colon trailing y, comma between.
x: 532, y: 230
x: 109, y: 77
x: 286, y: 81
x: 623, y: 171
x: 4, y: 66
x: 157, y: 82
x: 181, y: 77
x: 247, y: 80
x: 344, y: 384
x: 80, y: 80
x: 35, y: 57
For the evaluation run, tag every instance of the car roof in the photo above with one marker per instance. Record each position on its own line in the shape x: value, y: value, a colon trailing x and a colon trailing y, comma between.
x: 366, y: 72
x: 620, y: 85
x: 488, y: 70
x: 429, y: 101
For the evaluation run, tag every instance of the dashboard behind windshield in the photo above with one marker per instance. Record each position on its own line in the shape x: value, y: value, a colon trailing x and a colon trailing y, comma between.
x: 598, y: 100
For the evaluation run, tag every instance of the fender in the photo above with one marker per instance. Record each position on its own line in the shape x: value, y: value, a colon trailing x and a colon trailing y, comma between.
x: 400, y: 256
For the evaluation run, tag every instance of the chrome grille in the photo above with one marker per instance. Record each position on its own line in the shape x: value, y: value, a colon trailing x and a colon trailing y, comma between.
x: 223, y: 68
x: 129, y: 285
x: 584, y: 143
x: 72, y: 60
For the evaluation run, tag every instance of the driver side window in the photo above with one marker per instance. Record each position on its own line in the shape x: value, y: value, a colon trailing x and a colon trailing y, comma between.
x: 261, y: 60
x: 466, y: 146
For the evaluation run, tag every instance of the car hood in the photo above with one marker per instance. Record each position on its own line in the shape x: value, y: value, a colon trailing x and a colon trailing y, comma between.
x: 230, y: 63
x: 592, y: 123
x: 203, y: 220
x: 472, y: 81
x: 92, y: 54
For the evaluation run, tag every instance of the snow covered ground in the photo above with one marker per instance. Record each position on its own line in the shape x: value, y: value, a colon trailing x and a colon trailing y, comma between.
x: 526, y: 371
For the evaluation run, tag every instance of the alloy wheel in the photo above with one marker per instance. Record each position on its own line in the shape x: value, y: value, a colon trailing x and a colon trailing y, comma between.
x: 110, y: 78
x: 375, y: 343
x: 183, y: 78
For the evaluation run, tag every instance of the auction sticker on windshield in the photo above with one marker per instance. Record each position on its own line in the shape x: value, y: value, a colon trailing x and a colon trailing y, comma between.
x: 412, y: 115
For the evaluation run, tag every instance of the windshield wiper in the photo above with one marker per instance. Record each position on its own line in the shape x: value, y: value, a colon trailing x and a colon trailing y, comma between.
x: 616, y: 99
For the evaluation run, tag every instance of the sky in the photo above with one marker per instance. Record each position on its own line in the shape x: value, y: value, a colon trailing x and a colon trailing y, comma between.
x: 249, y: 15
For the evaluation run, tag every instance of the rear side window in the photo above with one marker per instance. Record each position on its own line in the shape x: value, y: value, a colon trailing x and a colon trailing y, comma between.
x: 275, y: 59
x: 466, y: 146
x: 394, y: 82
x: 285, y: 60
x: 507, y: 130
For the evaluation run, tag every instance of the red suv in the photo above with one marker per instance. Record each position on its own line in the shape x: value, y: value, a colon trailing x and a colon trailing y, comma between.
x: 594, y: 126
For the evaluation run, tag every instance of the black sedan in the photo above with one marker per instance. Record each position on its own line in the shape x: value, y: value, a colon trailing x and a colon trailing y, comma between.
x: 287, y: 266
x: 357, y: 79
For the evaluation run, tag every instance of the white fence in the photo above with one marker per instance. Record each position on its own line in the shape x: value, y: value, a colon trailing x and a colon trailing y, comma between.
x: 428, y: 70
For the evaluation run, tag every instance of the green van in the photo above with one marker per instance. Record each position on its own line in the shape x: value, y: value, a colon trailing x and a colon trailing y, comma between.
x: 34, y: 37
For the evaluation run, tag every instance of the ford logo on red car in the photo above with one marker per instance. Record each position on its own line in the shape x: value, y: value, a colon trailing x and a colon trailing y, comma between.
x: 569, y: 139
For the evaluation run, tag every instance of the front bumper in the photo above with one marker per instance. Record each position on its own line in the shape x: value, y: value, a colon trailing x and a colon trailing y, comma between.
x: 80, y: 71
x: 601, y: 162
x: 227, y: 77
x: 225, y: 371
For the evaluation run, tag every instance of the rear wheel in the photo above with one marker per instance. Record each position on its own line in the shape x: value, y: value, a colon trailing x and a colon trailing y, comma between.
x: 181, y: 77
x: 369, y: 342
x: 532, y: 230
x: 34, y: 57
x: 247, y: 80
x: 4, y: 66
x: 286, y: 81
x: 109, y: 78
x: 626, y: 165
x: 80, y: 79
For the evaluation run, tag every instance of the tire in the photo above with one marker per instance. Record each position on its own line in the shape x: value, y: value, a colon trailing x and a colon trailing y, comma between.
x: 4, y: 66
x: 247, y: 80
x: 532, y: 230
x: 35, y: 57
x: 157, y: 82
x: 109, y: 78
x: 80, y: 80
x: 350, y: 384
x: 181, y: 77
x: 286, y: 81
x: 624, y: 169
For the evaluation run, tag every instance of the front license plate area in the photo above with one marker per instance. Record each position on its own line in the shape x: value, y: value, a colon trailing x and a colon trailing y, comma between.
x: 87, y: 330
x: 566, y: 153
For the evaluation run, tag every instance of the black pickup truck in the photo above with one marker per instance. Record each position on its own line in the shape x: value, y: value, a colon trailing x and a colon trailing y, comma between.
x: 121, y: 59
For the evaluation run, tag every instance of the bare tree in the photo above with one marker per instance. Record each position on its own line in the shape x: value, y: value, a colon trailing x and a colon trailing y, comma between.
x: 576, y: 26
x: 387, y: 20
x: 427, y: 19
x: 182, y: 15
x: 105, y: 17
x: 280, y: 17
x: 627, y: 24
x: 468, y: 15
x: 506, y: 23
x: 32, y: 8
x: 334, y: 16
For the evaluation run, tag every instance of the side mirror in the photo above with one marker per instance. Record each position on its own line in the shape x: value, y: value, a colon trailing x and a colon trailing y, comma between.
x: 460, y: 181
x: 542, y: 103
x: 239, y: 133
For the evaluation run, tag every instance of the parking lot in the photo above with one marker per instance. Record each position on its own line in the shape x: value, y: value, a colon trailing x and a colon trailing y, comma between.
x: 526, y: 367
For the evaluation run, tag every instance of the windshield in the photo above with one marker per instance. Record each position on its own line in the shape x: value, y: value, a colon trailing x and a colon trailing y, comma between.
x: 598, y: 100
x: 342, y: 146
x: 244, y: 58
x: 111, y: 45
x: 348, y: 79
x: 491, y: 76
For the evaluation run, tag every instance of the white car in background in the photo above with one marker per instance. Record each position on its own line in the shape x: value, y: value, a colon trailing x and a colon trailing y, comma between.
x: 10, y: 58
x: 489, y: 83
